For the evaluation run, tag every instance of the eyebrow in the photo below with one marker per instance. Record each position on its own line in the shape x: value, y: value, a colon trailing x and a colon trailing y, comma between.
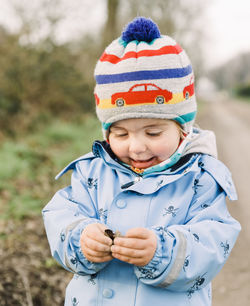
x: 155, y: 125
x: 144, y: 127
x: 117, y: 127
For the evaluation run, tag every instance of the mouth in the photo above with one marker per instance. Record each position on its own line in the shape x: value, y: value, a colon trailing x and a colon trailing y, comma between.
x: 143, y: 164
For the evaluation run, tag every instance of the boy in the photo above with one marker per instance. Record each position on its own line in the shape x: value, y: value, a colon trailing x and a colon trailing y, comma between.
x: 144, y: 221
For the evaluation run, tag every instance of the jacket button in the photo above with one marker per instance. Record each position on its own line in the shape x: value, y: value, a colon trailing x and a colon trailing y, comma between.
x: 107, y: 293
x: 121, y: 204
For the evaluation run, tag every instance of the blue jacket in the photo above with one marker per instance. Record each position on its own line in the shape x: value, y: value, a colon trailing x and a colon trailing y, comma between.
x: 185, y: 207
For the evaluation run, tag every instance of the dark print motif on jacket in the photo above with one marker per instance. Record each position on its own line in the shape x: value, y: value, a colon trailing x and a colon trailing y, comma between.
x: 225, y: 247
x: 92, y: 183
x: 62, y: 236
x: 196, y: 237
x: 147, y: 273
x: 186, y: 263
x: 74, y: 261
x: 103, y: 214
x: 92, y: 278
x: 171, y: 210
x: 74, y: 301
x: 196, y: 186
x: 196, y: 286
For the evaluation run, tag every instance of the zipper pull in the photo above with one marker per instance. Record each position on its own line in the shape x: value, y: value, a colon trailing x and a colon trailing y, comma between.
x: 129, y: 184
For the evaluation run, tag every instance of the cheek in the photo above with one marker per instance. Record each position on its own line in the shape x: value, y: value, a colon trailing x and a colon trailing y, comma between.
x: 166, y: 148
x: 163, y: 151
x: 118, y: 147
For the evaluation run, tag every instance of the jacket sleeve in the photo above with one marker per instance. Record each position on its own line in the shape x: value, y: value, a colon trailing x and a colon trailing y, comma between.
x: 189, y: 256
x: 65, y: 217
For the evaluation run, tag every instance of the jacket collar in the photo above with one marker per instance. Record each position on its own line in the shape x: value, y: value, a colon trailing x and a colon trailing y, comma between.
x: 145, y: 184
x: 198, y: 141
x: 102, y: 149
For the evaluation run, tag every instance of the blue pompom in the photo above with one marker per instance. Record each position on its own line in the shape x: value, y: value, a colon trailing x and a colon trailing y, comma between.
x: 141, y: 29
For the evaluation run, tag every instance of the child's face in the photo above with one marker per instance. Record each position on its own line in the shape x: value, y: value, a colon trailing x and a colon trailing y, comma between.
x: 143, y: 143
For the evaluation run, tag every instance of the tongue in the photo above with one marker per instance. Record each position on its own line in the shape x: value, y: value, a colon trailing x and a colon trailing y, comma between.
x: 142, y: 164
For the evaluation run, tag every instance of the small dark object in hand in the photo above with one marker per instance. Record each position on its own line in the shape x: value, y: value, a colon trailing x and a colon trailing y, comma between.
x: 110, y: 234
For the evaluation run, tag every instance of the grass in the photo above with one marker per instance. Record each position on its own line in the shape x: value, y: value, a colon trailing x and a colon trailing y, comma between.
x: 30, y: 162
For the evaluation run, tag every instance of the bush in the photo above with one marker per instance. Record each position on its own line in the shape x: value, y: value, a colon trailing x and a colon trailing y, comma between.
x: 39, y: 79
x: 243, y: 90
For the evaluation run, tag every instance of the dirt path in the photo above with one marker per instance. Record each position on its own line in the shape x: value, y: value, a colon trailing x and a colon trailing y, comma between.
x: 231, y: 122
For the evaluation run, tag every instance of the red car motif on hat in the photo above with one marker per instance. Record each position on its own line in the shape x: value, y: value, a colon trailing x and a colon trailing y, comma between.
x: 140, y: 94
x: 188, y: 91
x: 97, y: 99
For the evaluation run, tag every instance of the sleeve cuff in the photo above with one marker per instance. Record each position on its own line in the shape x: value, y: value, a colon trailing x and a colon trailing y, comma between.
x: 74, y: 257
x: 160, y: 260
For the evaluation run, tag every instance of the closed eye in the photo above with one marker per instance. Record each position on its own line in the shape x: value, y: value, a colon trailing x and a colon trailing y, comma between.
x: 121, y: 135
x: 154, y: 133
x: 118, y: 132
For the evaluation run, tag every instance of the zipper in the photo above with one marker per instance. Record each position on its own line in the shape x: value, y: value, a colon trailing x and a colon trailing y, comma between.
x: 129, y: 184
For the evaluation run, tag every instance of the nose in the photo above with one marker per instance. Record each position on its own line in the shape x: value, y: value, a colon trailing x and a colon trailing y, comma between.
x: 137, y: 146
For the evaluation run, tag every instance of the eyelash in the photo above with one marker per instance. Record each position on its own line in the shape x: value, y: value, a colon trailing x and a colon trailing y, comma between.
x: 121, y: 135
x: 147, y: 133
x: 154, y: 134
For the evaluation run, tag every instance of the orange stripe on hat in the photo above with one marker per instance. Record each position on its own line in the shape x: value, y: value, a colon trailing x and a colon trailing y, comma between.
x: 111, y: 58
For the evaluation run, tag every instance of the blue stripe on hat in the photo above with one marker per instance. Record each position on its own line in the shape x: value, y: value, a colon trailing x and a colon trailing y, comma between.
x: 143, y: 75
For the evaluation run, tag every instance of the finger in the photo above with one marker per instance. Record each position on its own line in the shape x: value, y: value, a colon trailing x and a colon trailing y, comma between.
x: 131, y: 243
x: 100, y: 237
x: 96, y: 245
x: 130, y: 260
x: 99, y: 259
x: 93, y: 253
x: 95, y: 232
x: 138, y: 232
x: 105, y: 241
x: 133, y: 253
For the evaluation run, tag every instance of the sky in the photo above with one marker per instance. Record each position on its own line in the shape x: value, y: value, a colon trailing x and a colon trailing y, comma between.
x: 227, y: 24
x: 229, y: 30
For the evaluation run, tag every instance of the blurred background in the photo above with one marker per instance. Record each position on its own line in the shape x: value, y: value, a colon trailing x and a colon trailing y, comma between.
x: 48, y: 50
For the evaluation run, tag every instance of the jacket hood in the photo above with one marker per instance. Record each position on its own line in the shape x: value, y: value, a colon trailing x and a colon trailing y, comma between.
x: 201, y: 141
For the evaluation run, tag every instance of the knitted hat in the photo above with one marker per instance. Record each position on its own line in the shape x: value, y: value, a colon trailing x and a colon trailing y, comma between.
x: 144, y: 74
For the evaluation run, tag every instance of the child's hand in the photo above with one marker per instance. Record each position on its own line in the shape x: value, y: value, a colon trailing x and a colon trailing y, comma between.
x: 137, y: 247
x: 94, y: 244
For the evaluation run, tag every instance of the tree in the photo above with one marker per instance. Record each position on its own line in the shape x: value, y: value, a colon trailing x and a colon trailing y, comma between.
x: 110, y: 28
